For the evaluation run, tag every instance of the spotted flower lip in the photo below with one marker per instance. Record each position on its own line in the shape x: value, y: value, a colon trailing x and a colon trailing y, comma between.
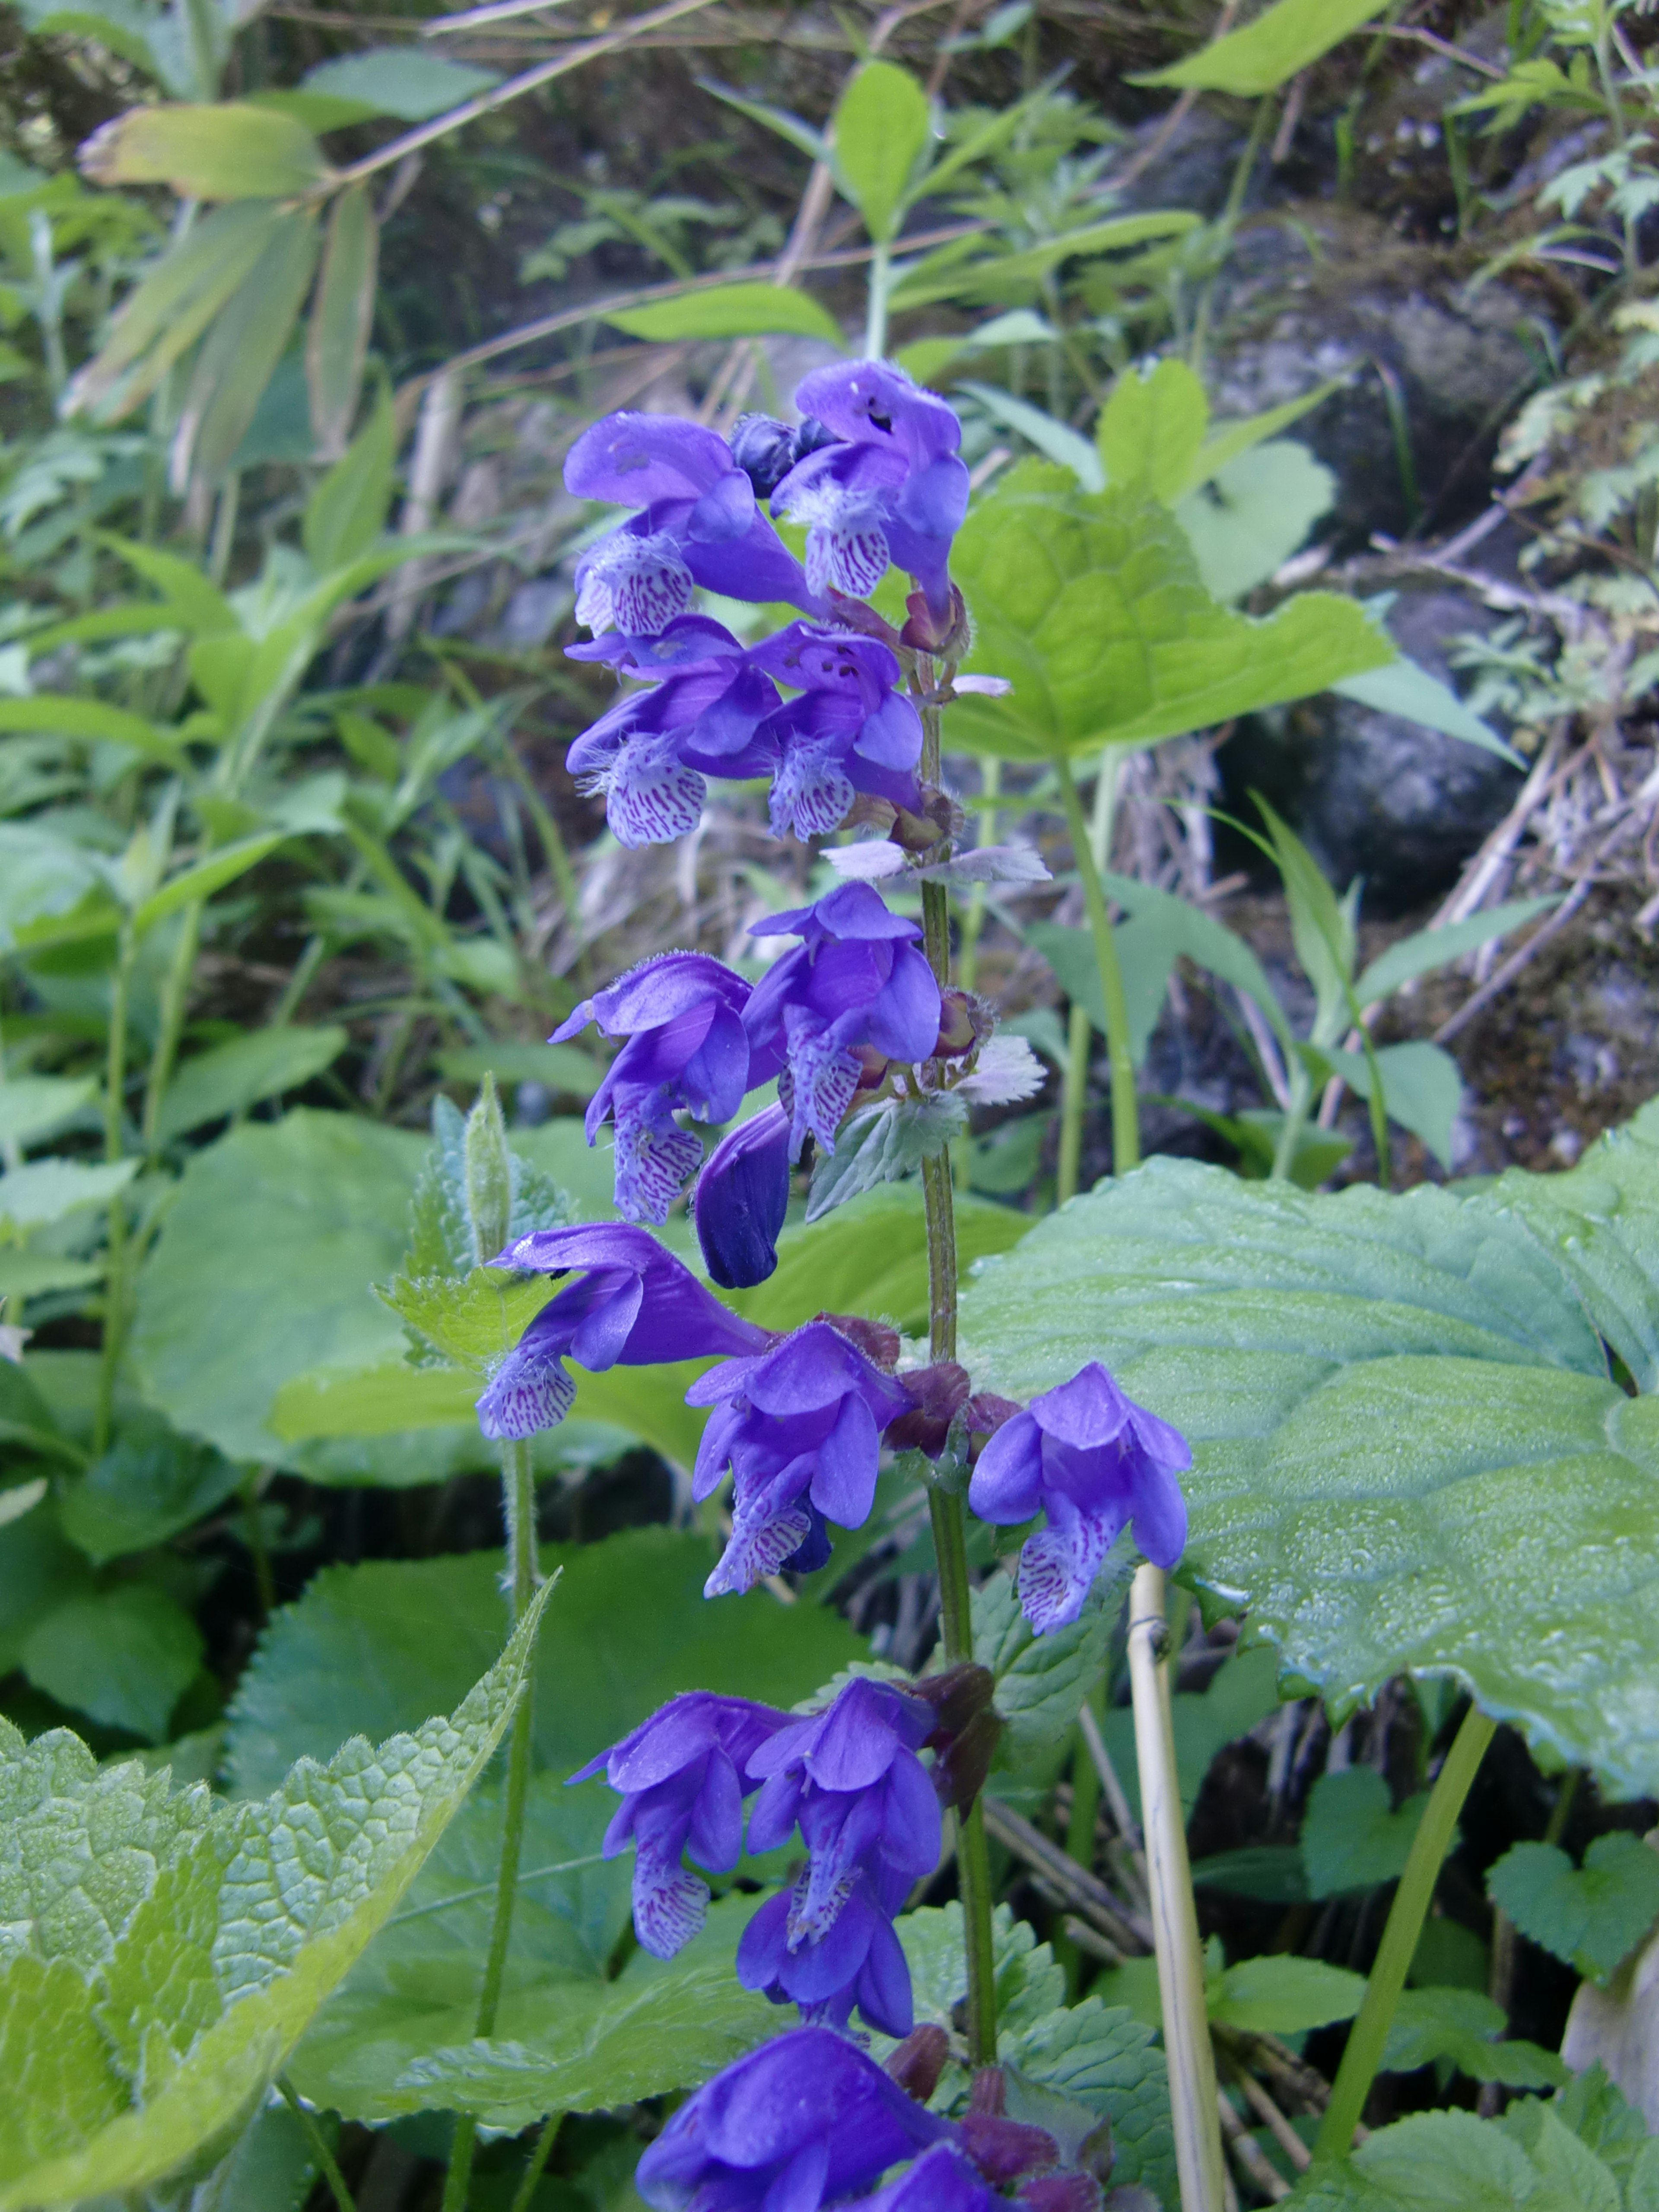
x: 1091, y: 1459
x: 799, y: 1426
x: 893, y: 487
x: 682, y: 1777
x: 687, y: 1051
x: 698, y: 524
x: 805, y: 2120
x: 634, y: 1304
x: 652, y: 751
x: 859, y: 977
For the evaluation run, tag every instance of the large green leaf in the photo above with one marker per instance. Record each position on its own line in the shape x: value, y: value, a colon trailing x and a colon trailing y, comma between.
x: 877, y: 135
x: 227, y: 1078
x: 1269, y: 51
x: 162, y: 1955
x: 1092, y: 607
x: 366, y: 1646
x: 1409, y: 1454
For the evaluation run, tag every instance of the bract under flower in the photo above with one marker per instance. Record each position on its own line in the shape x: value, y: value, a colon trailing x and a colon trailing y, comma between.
x: 1091, y: 1459
x: 634, y: 1304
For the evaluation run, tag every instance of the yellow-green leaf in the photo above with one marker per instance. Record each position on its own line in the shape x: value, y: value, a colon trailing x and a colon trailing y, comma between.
x: 230, y: 150
x: 1268, y: 52
x: 96, y: 721
x: 880, y: 128
x: 244, y: 346
x: 730, y: 310
x: 336, y: 345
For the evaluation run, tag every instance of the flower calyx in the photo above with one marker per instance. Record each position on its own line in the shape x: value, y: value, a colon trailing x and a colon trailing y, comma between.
x: 946, y: 635
x: 878, y: 1342
x: 966, y: 1728
x: 937, y: 1395
x: 917, y: 2064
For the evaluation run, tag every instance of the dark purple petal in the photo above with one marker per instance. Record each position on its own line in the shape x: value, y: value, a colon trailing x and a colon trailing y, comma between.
x: 903, y: 1017
x: 940, y: 2180
x: 773, y: 1813
x: 635, y: 459
x: 726, y: 510
x: 844, y: 1483
x: 1007, y: 1484
x: 741, y: 1199
x: 716, y: 1834
x: 911, y: 1828
x: 656, y: 991
x: 680, y: 1318
x: 884, y: 1983
x: 1088, y: 1411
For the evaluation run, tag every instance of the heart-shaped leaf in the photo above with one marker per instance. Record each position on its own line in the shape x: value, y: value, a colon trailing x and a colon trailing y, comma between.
x: 1591, y: 1916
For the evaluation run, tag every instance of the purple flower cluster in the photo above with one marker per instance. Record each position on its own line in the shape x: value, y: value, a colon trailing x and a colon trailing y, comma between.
x: 881, y: 481
x: 848, y: 1778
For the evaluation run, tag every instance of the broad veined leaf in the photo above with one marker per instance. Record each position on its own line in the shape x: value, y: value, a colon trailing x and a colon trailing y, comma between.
x: 1284, y: 39
x: 231, y: 150
x: 1092, y: 608
x: 1409, y: 1454
x: 1352, y: 1837
x: 1042, y: 1679
x: 44, y: 1191
x: 1593, y: 1916
x: 877, y: 135
x: 147, y: 1485
x: 386, y: 1399
x: 175, y: 304
x: 337, y: 341
x: 124, y: 1657
x: 1250, y: 514
x: 1151, y: 428
x: 229, y: 1077
x: 97, y: 721
x: 1422, y: 1087
x: 49, y: 886
x: 471, y: 1320
x: 1279, y: 1995
x: 729, y: 311
x: 1465, y: 2027
x: 142, y: 2030
x: 1229, y: 440
x: 1454, y: 2162
x: 882, y: 1144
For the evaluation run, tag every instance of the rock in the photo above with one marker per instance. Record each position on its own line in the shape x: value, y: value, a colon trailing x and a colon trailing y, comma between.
x: 1338, y: 294
x: 1373, y: 795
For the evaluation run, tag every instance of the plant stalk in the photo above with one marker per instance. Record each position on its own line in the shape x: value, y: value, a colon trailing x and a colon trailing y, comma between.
x: 875, y: 324
x: 538, y: 2165
x: 519, y: 1505
x: 945, y: 1508
x: 1410, y: 1908
x: 1074, y: 1093
x: 1193, y: 2096
x: 115, y: 1275
x: 1126, y: 1108
x: 319, y: 2145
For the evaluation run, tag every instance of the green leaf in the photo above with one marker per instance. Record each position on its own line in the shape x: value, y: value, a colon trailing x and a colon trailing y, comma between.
x: 1432, y: 2162
x: 45, y: 1191
x: 1426, y: 950
x: 559, y: 1067
x: 473, y: 1319
x: 124, y: 1657
x: 1351, y: 1837
x: 1281, y: 41
x: 407, y: 81
x: 1422, y: 1087
x: 240, y: 352
x: 1093, y: 609
x: 1591, y: 1917
x: 366, y: 1648
x: 1229, y: 440
x: 947, y: 275
x: 882, y: 1144
x: 1322, y: 925
x: 337, y: 341
x: 95, y: 720
x: 730, y: 310
x: 213, y: 1341
x: 877, y: 135
x: 227, y: 1078
x: 1272, y: 1872
x: 1042, y: 1680
x: 204, y: 877
x: 347, y: 511
x: 1055, y: 441
x: 388, y: 1400
x: 1465, y: 2027
x: 1406, y: 689
x: 149, y: 1485
x: 1408, y: 1456
x: 163, y: 2025
x: 159, y: 321
x: 800, y: 134
x: 1284, y: 1995
x: 33, y: 1105
x: 1151, y: 429
x: 1105, y: 2059
x: 231, y: 150
x: 1147, y: 946
x: 1250, y: 514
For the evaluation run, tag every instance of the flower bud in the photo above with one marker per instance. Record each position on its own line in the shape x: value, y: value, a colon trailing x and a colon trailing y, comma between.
x: 919, y: 2061
x: 965, y: 1021
x: 1002, y: 2148
x: 948, y: 636
x: 936, y: 1393
x: 982, y: 1416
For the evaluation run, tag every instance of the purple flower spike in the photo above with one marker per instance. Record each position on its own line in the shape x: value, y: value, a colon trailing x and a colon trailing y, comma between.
x: 687, y: 1051
x: 698, y: 524
x: 799, y: 1425
x: 802, y: 2121
x: 940, y: 2180
x: 858, y: 978
x: 635, y: 1305
x: 741, y: 1196
x: 1091, y: 1459
x: 651, y: 752
x: 850, y: 1779
x: 858, y: 1962
x: 892, y: 489
x: 682, y: 1776
x: 851, y: 730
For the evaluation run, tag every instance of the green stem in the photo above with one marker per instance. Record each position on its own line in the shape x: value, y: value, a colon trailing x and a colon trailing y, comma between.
x: 1410, y: 1908
x: 115, y: 1297
x: 1296, y: 1120
x: 519, y: 1508
x: 1126, y: 1108
x: 973, y: 922
x: 176, y: 994
x: 264, y: 1581
x: 538, y: 2165
x: 320, y: 2149
x: 1074, y: 1099
x: 875, y: 326
x: 944, y: 1507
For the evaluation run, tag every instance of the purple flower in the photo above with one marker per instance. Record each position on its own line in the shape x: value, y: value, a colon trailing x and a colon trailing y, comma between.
x: 1091, y: 1459
x: 636, y: 1304
x: 865, y: 1806
x: 857, y: 978
x: 940, y: 2180
x: 740, y: 1200
x: 799, y: 1425
x: 892, y: 489
x: 851, y: 730
x: 682, y: 1774
x: 698, y: 524
x: 687, y: 1051
x: 651, y: 753
x: 801, y: 2122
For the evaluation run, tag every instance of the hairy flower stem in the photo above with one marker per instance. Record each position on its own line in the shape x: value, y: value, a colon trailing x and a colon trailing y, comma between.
x: 1193, y: 2096
x: 518, y: 1503
x: 1126, y: 1110
x: 1410, y: 1909
x: 946, y: 1508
